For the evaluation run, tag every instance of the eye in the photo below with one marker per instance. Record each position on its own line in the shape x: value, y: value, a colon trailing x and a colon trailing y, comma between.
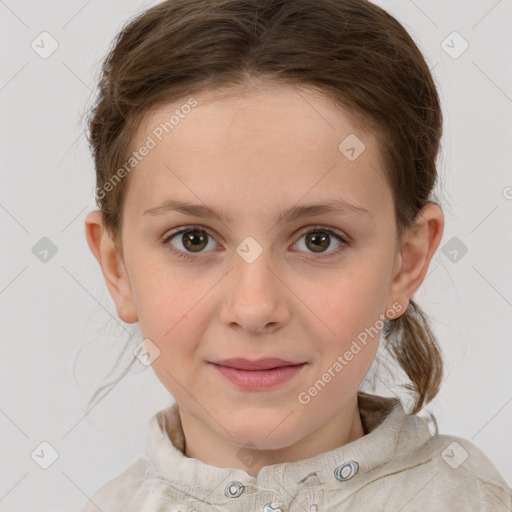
x: 194, y: 239
x: 318, y: 240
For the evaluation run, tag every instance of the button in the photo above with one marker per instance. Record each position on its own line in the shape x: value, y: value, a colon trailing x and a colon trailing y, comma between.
x: 268, y: 507
x: 313, y: 508
x: 234, y: 489
x: 346, y: 470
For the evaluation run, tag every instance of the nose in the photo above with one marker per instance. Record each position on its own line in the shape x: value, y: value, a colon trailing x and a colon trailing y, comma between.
x: 255, y: 296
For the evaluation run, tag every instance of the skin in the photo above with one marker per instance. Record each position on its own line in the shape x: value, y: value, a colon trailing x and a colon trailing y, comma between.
x: 255, y: 152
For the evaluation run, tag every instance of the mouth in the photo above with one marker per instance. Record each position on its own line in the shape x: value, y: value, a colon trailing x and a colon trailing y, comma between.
x: 259, y: 364
x: 258, y: 378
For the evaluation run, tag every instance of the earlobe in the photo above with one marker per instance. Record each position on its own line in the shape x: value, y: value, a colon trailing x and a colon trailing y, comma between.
x: 419, y: 246
x: 112, y: 266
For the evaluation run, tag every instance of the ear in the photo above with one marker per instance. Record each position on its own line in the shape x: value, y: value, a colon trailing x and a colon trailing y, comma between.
x: 110, y: 258
x: 418, y: 247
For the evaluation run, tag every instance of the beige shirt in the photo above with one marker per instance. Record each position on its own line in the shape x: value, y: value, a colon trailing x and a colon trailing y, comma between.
x: 398, y: 465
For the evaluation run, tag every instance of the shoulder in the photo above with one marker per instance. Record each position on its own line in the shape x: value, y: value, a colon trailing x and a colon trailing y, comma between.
x: 118, y: 494
x: 459, y: 474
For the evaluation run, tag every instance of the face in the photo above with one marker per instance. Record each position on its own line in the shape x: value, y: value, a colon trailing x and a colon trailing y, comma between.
x: 258, y: 283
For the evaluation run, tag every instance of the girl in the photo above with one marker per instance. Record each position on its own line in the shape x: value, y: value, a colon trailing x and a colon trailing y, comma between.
x: 264, y: 181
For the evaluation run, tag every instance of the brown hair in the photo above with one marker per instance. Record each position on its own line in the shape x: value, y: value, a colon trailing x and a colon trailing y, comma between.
x: 352, y: 51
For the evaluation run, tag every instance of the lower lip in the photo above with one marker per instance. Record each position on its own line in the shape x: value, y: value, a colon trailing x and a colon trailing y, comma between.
x: 259, y: 379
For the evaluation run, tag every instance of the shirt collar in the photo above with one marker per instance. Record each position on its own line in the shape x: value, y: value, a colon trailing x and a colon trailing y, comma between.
x: 388, y: 431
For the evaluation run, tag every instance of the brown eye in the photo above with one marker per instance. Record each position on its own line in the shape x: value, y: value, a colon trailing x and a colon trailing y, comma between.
x: 195, y: 240
x: 319, y: 239
x: 318, y: 242
x: 192, y: 240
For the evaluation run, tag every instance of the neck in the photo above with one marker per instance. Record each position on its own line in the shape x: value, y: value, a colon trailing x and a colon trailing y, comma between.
x: 206, y: 445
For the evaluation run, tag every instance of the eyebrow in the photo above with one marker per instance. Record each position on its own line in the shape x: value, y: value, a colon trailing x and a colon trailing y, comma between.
x: 338, y: 206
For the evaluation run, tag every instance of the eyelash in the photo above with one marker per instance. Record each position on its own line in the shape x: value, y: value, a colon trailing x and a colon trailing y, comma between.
x: 189, y: 256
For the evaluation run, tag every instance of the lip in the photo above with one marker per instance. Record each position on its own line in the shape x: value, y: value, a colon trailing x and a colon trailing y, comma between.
x: 259, y: 379
x: 259, y: 364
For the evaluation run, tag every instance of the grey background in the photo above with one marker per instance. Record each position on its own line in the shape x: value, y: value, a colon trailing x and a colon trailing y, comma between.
x: 49, y: 310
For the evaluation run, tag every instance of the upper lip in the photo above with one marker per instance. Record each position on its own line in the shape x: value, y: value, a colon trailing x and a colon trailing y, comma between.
x: 259, y: 364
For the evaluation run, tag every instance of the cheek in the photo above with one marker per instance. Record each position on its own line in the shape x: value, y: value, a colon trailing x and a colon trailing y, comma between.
x: 172, y: 313
x: 348, y: 313
x: 161, y: 293
x: 160, y: 301
x: 347, y: 301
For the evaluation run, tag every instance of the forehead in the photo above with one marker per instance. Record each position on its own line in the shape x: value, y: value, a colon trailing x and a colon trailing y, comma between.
x: 267, y: 108
x: 265, y: 143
